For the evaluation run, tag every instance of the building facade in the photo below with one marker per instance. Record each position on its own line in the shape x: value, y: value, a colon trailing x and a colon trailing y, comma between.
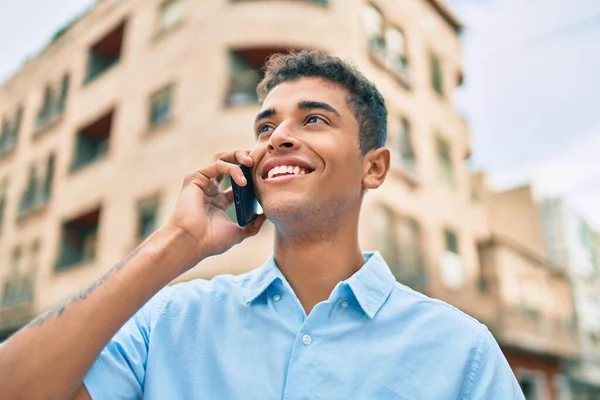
x: 101, y: 127
x: 536, y: 323
x: 571, y: 241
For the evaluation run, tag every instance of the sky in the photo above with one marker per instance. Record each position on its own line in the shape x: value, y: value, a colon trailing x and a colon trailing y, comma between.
x: 531, y: 90
x: 532, y: 95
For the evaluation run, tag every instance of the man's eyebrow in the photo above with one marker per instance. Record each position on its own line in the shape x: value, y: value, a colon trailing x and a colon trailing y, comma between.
x: 269, y: 112
x: 307, y: 105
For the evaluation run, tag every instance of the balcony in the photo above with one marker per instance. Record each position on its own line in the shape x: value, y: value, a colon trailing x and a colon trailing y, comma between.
x: 535, y: 310
x: 17, y: 299
x: 537, y: 331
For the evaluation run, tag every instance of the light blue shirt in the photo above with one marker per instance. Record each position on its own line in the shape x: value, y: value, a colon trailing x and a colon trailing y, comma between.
x: 247, y: 337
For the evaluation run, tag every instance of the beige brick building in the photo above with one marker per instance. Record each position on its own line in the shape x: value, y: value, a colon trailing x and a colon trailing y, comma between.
x: 100, y: 128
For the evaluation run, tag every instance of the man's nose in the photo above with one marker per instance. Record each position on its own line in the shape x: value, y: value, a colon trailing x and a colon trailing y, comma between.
x: 282, y: 138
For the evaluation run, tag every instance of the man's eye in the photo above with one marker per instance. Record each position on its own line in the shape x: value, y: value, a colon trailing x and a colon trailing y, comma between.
x: 263, y: 128
x: 315, y: 119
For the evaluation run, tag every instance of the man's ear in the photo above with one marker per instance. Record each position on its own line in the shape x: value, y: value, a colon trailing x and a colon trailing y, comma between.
x: 376, y: 164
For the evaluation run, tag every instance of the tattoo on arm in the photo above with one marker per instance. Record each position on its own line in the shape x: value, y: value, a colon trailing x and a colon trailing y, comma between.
x: 82, y: 295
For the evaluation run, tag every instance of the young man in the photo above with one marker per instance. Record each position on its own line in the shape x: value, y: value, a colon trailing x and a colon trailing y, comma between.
x: 320, y: 320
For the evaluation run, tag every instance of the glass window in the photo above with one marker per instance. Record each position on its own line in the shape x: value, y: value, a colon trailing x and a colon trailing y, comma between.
x: 445, y: 161
x: 406, y: 147
x: 171, y: 12
x: 451, y: 239
x: 78, y: 240
x: 373, y: 23
x: 437, y: 81
x: 147, y: 217
x: 161, y: 106
x: 92, y: 142
x: 396, y: 49
x: 105, y: 53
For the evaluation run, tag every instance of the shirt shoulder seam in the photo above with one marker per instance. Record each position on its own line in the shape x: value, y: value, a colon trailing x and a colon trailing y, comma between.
x: 475, y: 368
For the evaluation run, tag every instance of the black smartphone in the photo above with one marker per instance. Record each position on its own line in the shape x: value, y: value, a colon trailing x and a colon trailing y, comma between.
x: 247, y: 207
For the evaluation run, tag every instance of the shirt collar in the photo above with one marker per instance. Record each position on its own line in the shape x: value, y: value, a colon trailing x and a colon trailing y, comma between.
x: 371, y: 284
x: 261, y: 278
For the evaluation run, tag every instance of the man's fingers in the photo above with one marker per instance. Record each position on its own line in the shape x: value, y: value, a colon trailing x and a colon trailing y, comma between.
x: 220, y: 168
x: 235, y: 157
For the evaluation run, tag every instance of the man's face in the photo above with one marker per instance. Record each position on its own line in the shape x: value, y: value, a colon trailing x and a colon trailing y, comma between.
x: 307, y: 156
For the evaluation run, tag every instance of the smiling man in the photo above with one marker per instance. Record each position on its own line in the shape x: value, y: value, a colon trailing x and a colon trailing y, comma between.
x: 319, y: 320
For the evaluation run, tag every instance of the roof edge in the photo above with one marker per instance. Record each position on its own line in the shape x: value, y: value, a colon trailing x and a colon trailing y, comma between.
x: 447, y: 14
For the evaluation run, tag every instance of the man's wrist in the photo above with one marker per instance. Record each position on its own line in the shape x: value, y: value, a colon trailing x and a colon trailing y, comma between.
x: 172, y: 249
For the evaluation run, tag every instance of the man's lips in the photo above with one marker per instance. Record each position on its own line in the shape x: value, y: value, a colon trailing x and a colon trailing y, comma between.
x: 285, y: 166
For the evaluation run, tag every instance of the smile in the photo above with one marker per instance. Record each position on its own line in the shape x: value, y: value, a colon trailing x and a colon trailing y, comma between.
x: 283, y: 170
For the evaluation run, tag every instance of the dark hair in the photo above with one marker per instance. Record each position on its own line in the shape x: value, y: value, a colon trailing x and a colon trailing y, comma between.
x: 365, y: 100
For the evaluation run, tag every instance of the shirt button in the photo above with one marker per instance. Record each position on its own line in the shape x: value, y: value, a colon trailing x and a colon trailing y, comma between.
x: 276, y: 298
x: 344, y: 304
x: 306, y: 339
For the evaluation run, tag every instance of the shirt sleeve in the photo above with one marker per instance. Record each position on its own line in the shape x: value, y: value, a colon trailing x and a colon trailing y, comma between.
x: 120, y: 369
x: 490, y: 376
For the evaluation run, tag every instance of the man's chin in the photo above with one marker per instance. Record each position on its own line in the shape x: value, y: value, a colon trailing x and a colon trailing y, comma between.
x: 288, y: 208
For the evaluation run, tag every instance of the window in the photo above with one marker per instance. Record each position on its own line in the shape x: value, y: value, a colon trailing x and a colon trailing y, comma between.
x: 161, y: 107
x: 451, y: 240
x: 245, y: 72
x: 437, y: 81
x: 29, y: 199
x: 532, y: 384
x: 407, y: 153
x: 3, y: 196
x: 147, y: 217
x: 10, y: 132
x: 387, y: 44
x: 105, y: 53
x: 373, y: 22
x: 92, y: 142
x: 47, y: 189
x: 13, y: 282
x: 37, y: 191
x: 78, y: 240
x: 401, y: 244
x: 53, y: 102
x: 396, y: 49
x: 445, y: 161
x: 170, y: 14
x: 243, y: 78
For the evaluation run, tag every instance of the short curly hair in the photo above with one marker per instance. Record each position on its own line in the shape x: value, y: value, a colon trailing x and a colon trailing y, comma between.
x: 365, y: 100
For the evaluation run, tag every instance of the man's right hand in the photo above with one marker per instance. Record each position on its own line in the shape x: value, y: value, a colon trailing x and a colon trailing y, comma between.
x: 200, y: 209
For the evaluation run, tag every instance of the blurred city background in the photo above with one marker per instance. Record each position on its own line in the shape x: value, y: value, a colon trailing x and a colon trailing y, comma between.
x: 492, y: 203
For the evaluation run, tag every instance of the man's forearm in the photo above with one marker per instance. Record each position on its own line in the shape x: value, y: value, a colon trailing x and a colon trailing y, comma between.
x: 53, y: 353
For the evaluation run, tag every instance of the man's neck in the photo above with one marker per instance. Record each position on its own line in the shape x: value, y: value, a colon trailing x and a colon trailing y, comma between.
x: 314, y: 266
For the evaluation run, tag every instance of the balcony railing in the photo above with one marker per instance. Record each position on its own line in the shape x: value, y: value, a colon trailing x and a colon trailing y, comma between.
x: 537, y: 330
x: 521, y: 322
x: 17, y: 297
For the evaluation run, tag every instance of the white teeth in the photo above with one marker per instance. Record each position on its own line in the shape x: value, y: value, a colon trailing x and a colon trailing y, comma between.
x: 286, y: 169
